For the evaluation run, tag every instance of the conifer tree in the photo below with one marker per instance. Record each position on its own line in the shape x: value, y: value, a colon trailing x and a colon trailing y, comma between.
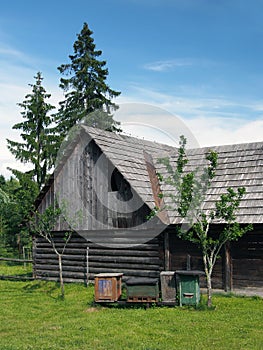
x: 85, y: 87
x: 39, y: 140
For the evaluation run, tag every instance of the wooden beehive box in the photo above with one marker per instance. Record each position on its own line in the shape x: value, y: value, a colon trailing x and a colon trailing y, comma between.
x: 108, y: 287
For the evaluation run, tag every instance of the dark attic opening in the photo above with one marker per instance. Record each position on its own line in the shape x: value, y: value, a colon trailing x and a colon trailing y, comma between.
x: 119, y: 184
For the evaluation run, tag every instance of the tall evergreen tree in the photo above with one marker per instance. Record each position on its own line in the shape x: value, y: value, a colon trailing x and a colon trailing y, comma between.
x: 85, y: 87
x: 39, y: 140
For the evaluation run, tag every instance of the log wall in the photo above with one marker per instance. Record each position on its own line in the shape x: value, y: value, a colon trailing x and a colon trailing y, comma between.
x: 143, y: 260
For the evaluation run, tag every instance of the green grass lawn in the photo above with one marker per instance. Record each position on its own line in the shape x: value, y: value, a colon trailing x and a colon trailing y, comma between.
x: 10, y: 269
x: 32, y: 316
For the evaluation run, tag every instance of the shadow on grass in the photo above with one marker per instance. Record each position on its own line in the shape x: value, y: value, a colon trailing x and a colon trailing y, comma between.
x: 50, y: 288
x: 121, y: 305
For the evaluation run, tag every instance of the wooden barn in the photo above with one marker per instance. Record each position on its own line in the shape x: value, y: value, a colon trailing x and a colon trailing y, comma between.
x: 112, y: 180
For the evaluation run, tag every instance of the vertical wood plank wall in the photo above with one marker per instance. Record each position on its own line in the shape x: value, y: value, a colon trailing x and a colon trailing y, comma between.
x: 247, y: 259
x: 239, y: 265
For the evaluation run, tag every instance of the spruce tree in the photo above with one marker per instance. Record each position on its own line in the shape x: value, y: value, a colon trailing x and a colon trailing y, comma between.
x: 85, y: 87
x: 39, y: 140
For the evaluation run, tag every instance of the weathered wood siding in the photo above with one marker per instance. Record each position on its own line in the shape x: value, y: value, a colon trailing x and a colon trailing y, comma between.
x: 139, y: 261
x: 143, y: 260
x: 179, y: 252
x: 247, y: 259
x: 90, y: 185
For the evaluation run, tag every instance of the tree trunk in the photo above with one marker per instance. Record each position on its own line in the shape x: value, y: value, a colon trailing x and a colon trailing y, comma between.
x: 208, y: 275
x: 209, y: 289
x: 61, y: 276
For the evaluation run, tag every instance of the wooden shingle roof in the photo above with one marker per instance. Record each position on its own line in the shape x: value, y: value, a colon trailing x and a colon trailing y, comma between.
x: 238, y: 166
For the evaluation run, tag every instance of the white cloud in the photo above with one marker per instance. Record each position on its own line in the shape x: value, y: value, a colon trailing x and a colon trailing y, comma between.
x: 167, y: 65
x: 222, y: 131
x: 185, y: 107
x: 12, y: 54
x: 212, y: 121
x: 153, y: 123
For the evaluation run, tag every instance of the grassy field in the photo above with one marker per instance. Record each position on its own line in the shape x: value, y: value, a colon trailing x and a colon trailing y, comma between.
x: 17, y: 269
x: 32, y: 316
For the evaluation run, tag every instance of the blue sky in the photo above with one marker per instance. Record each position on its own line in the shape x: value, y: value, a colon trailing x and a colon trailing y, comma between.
x: 200, y: 60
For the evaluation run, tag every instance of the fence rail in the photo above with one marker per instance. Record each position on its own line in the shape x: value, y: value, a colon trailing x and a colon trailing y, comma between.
x: 17, y: 260
x: 22, y: 275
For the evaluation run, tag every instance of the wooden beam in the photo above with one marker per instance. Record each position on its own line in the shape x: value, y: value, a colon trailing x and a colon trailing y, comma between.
x: 166, y: 251
x: 228, y: 284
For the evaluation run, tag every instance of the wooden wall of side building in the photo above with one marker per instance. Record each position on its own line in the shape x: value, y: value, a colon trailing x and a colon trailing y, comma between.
x: 239, y: 265
x: 183, y: 252
x: 247, y: 259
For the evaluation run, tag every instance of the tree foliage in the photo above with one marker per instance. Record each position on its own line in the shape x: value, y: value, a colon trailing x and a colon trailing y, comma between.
x: 38, y: 147
x: 190, y: 189
x: 85, y: 87
x: 15, y: 212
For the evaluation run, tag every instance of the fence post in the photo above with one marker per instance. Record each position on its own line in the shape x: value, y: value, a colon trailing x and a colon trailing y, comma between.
x: 87, y: 265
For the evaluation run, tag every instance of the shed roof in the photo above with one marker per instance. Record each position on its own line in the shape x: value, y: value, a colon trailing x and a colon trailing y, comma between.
x: 239, y: 165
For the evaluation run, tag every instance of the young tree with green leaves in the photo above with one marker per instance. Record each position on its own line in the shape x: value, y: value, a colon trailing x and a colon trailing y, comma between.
x: 43, y: 225
x: 190, y: 189
x: 85, y: 87
x: 39, y: 144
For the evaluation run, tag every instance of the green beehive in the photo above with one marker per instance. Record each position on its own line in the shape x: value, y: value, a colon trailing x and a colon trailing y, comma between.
x: 142, y: 290
x: 188, y: 287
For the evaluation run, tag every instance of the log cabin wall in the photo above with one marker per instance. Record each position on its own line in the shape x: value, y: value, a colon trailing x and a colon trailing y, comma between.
x: 74, y: 261
x: 80, y: 266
